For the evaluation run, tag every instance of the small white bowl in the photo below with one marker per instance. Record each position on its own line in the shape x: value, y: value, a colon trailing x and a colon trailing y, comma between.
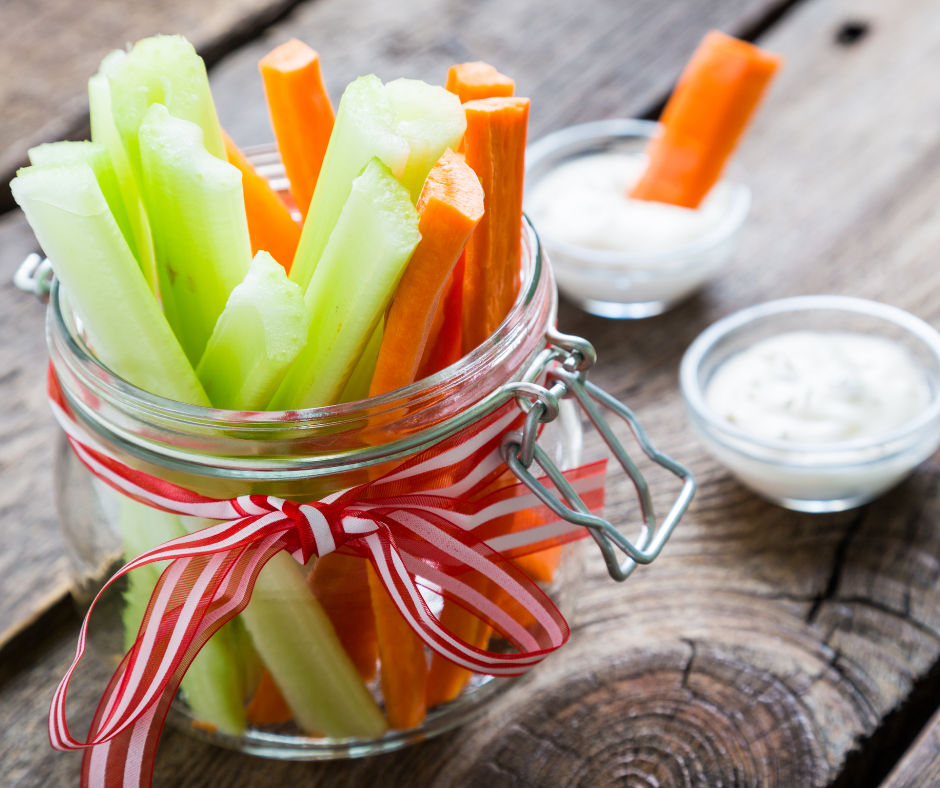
x: 814, y: 477
x: 629, y: 284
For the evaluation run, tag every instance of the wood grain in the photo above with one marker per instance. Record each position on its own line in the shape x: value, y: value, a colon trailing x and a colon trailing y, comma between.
x: 764, y: 646
x: 921, y: 764
x: 49, y: 48
x: 629, y: 54
x: 33, y: 567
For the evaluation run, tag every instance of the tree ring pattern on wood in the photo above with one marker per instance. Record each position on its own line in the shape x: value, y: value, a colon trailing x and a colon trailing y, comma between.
x: 697, y: 719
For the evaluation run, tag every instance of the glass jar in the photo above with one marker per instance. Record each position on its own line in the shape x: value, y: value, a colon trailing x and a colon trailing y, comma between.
x: 301, y: 456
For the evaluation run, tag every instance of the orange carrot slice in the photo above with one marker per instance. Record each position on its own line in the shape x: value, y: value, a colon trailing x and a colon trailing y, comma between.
x: 449, y: 208
x: 704, y: 119
x: 444, y: 345
x: 301, y: 114
x: 541, y: 566
x: 270, y: 226
x: 341, y: 585
x: 445, y: 679
x: 404, y: 666
x: 472, y: 81
x: 495, y: 150
x: 267, y: 706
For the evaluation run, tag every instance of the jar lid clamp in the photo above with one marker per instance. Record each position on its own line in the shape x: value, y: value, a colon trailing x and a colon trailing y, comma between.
x: 565, y: 362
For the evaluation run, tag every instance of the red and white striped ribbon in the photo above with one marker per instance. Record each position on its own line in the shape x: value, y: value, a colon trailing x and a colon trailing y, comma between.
x: 445, y: 519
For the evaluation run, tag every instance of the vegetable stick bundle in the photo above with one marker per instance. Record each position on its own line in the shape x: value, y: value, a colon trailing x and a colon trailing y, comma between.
x: 193, y: 282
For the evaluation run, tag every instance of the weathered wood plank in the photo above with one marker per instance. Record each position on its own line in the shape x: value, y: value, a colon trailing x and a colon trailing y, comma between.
x: 49, y: 48
x: 33, y: 566
x: 920, y: 767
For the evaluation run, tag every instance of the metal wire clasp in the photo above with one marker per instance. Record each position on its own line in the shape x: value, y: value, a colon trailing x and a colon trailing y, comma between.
x: 34, y: 276
x: 565, y: 363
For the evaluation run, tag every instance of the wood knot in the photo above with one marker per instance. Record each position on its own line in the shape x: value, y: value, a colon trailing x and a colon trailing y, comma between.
x: 666, y: 720
x: 851, y: 32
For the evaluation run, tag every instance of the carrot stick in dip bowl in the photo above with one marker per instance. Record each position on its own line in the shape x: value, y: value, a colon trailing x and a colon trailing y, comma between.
x: 707, y: 113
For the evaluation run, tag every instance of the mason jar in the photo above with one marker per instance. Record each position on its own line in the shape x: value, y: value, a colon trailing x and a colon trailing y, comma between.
x: 298, y: 456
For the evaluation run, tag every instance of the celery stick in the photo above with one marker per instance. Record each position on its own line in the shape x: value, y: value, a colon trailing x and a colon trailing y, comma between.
x: 358, y: 386
x: 351, y: 288
x: 197, y: 218
x: 366, y: 127
x: 215, y: 683
x: 104, y: 131
x: 96, y: 156
x: 299, y: 646
x: 432, y: 120
x: 261, y: 331
x: 70, y: 217
x: 163, y: 70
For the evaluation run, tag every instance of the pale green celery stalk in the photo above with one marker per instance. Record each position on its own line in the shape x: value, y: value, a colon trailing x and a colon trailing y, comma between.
x: 366, y: 127
x: 197, y: 218
x: 300, y: 648
x: 71, y: 219
x: 96, y: 156
x: 216, y: 684
x: 358, y: 386
x: 162, y: 70
x: 351, y: 288
x: 104, y: 131
x: 432, y: 120
x: 260, y: 332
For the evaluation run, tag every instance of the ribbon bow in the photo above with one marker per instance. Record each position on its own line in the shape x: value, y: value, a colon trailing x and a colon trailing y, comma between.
x: 442, y: 521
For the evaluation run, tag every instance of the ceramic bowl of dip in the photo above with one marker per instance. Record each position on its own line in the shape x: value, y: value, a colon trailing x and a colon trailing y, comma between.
x: 816, y: 403
x: 616, y: 257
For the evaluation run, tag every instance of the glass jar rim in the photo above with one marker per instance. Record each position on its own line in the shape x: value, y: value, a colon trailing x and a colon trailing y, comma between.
x: 698, y: 351
x: 609, y: 259
x: 71, y: 355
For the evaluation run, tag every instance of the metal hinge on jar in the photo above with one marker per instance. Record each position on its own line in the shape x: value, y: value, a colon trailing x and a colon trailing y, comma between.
x: 34, y: 276
x: 565, y: 363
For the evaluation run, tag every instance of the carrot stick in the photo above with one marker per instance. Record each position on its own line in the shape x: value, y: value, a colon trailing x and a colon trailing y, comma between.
x: 445, y: 679
x: 341, y: 585
x: 495, y: 150
x: 404, y: 667
x: 472, y: 81
x: 301, y: 114
x: 449, y: 208
x: 708, y: 111
x: 269, y: 224
x: 267, y: 706
x: 541, y: 566
x: 444, y: 345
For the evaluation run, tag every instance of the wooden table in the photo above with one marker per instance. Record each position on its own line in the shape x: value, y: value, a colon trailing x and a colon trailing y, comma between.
x: 764, y: 648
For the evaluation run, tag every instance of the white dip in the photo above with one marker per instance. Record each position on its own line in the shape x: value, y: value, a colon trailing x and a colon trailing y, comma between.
x: 584, y: 202
x: 811, y: 386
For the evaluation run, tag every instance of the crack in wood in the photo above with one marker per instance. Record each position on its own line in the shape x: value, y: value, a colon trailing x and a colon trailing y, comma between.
x: 838, y: 564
